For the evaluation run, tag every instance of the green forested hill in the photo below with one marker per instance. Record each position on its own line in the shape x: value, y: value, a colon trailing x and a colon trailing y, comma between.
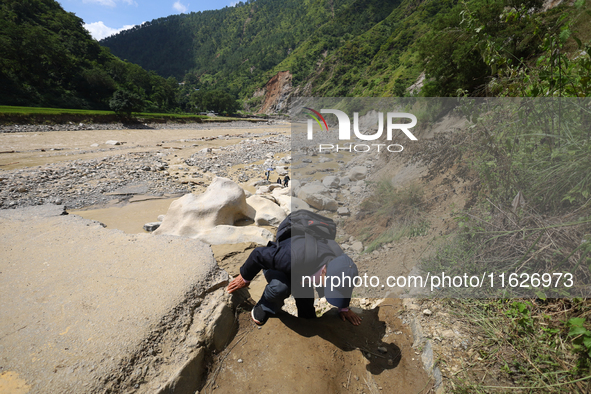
x: 236, y: 46
x: 349, y: 47
x: 331, y: 48
x: 47, y: 58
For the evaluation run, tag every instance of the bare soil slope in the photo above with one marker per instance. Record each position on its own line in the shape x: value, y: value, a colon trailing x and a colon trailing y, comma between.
x: 324, y: 355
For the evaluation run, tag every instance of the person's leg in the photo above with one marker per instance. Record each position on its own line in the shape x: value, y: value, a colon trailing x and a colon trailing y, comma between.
x: 276, y: 291
x: 306, y: 308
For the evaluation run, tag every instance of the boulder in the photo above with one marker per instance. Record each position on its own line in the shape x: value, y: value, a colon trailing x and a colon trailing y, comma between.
x: 290, y: 204
x: 267, y: 212
x: 112, y: 142
x: 151, y: 226
x: 268, y: 188
x: 331, y: 181
x: 285, y: 191
x: 295, y: 187
x: 357, y: 173
x: 211, y: 216
x: 344, y: 181
x: 317, y: 196
x: 259, y: 182
x: 357, y: 247
x: 343, y: 211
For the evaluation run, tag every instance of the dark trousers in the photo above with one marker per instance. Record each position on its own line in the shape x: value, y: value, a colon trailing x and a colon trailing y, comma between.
x: 277, y: 290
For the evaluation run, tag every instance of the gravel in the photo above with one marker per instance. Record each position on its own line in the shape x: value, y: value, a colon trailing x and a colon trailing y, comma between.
x: 81, y: 183
x: 121, y: 126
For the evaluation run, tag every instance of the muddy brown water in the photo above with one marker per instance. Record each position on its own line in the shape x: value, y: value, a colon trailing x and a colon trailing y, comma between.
x: 128, y: 217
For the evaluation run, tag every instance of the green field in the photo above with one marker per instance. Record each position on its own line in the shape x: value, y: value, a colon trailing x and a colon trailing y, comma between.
x: 5, y: 109
x: 37, y: 115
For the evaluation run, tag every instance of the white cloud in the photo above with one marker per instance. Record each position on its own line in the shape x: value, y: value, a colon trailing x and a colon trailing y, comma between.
x: 106, y: 3
x: 110, y: 3
x: 232, y: 4
x: 98, y: 30
x: 178, y: 6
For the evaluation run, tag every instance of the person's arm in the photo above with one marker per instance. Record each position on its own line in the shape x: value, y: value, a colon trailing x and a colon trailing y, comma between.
x: 260, y: 258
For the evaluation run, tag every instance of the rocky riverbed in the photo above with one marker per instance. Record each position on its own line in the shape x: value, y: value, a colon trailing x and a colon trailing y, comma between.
x: 154, y: 168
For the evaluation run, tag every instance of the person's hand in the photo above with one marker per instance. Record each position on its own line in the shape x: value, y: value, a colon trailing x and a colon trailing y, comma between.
x: 237, y: 283
x: 350, y: 316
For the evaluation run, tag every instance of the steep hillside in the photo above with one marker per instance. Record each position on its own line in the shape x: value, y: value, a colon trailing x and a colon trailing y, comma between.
x: 353, y: 47
x: 49, y: 59
x: 237, y: 48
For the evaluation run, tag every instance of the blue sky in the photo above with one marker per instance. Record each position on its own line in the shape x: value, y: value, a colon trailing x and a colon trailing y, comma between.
x: 103, y: 18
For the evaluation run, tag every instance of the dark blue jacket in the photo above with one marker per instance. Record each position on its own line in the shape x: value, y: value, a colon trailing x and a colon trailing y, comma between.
x: 280, y: 257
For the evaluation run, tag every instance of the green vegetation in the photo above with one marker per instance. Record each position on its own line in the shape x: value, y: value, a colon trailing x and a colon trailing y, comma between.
x: 358, y: 47
x: 48, y: 59
x: 530, y: 212
x: 400, y: 209
x: 332, y: 48
x: 240, y: 48
x: 38, y: 115
x: 533, y: 346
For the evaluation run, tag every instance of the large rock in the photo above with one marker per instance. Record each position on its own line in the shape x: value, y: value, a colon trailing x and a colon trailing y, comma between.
x: 100, y: 308
x: 331, y: 181
x: 285, y: 191
x: 290, y: 204
x: 295, y: 186
x: 318, y: 196
x: 222, y: 204
x: 357, y: 173
x: 268, y: 188
x: 281, y: 170
x: 267, y: 212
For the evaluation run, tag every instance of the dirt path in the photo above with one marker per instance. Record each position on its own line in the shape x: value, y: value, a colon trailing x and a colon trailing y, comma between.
x: 324, y: 355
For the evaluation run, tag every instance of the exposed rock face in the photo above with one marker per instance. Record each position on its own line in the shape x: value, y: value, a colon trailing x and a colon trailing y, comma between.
x: 277, y: 92
x: 223, y: 203
x: 358, y: 173
x: 331, y: 181
x: 290, y: 204
x: 318, y: 196
x: 212, y: 215
x: 267, y: 212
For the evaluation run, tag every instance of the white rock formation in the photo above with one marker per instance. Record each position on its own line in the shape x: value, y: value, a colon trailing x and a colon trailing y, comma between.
x: 357, y: 173
x: 211, y: 216
x: 331, y: 181
x: 267, y: 212
x: 290, y: 204
x: 318, y: 196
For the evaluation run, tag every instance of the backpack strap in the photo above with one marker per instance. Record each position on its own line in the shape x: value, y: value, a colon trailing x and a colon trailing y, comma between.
x: 311, y: 249
x: 336, y: 249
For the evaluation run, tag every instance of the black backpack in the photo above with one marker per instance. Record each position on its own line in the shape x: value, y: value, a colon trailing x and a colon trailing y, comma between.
x: 308, y: 228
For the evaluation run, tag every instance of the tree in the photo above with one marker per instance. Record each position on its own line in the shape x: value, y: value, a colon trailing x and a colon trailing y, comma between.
x: 126, y: 102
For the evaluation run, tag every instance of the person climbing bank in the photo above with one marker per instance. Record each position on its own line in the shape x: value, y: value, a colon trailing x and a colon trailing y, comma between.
x: 290, y: 257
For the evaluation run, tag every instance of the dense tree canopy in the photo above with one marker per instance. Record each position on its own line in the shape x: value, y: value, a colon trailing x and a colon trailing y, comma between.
x: 204, y: 61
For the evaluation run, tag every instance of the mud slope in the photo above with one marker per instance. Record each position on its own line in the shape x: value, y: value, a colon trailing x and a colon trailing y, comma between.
x: 324, y: 355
